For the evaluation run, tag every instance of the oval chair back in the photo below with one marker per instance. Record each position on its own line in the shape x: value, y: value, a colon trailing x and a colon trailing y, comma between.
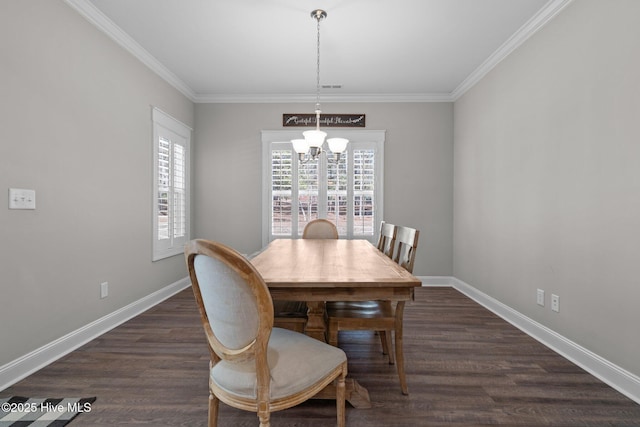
x: 320, y: 229
x: 251, y: 361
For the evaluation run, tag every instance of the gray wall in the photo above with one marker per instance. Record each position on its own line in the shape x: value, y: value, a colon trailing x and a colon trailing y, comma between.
x: 544, y: 172
x: 75, y: 120
x: 418, y: 171
x: 547, y: 178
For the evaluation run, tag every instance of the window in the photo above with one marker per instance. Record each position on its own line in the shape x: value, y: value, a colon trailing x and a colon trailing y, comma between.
x: 171, y: 143
x: 349, y: 193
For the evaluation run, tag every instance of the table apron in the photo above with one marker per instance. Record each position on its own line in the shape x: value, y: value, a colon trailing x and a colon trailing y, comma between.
x: 343, y: 294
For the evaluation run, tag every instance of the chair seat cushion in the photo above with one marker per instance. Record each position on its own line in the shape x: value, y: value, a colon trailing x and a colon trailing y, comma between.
x: 296, y: 362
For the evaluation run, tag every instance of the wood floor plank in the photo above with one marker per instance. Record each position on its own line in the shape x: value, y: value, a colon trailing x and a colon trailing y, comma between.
x: 465, y: 367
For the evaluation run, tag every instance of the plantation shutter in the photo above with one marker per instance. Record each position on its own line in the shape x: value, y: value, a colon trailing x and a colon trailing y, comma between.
x: 308, y: 192
x: 171, y: 186
x: 281, y: 190
x: 337, y: 199
x: 363, y: 192
x: 347, y: 192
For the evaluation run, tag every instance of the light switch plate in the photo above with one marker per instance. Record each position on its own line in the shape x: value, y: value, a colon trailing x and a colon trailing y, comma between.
x: 20, y: 198
x: 104, y: 290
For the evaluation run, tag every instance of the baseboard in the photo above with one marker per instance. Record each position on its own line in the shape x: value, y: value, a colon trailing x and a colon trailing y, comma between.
x: 616, y: 377
x: 24, y: 366
x: 436, y: 281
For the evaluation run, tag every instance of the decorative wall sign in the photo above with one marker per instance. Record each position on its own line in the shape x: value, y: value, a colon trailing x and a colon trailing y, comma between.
x: 326, y: 120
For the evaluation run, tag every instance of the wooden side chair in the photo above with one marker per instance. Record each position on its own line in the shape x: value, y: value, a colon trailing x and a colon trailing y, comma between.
x: 320, y: 229
x: 407, y: 240
x: 387, y: 239
x: 254, y: 366
x: 386, y: 245
x: 378, y: 315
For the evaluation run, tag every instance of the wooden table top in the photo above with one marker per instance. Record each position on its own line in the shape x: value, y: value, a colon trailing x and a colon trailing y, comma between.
x: 320, y: 270
x: 329, y: 263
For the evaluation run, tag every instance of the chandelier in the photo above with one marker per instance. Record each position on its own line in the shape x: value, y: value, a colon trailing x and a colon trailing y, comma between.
x: 310, y: 147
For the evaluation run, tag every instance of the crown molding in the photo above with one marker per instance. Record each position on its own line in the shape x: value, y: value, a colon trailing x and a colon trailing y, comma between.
x: 539, y: 20
x: 107, y: 26
x: 326, y: 98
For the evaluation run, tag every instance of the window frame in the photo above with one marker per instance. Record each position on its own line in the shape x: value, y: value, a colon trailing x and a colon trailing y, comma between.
x: 358, y: 139
x: 171, y: 129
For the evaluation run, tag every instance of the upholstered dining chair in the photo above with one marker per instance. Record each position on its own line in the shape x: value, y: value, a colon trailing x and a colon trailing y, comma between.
x: 381, y: 316
x: 254, y: 366
x: 320, y: 229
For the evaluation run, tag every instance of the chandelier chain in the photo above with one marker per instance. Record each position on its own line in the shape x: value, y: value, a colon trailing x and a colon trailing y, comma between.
x: 310, y: 147
x: 319, y: 18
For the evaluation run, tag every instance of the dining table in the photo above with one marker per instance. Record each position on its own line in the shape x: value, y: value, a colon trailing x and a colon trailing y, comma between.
x: 320, y: 270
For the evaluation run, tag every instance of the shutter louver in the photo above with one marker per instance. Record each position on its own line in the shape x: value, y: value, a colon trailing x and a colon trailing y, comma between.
x: 281, y: 181
x: 363, y: 192
x: 164, y: 182
x: 179, y: 191
x: 308, y: 187
x: 337, y: 182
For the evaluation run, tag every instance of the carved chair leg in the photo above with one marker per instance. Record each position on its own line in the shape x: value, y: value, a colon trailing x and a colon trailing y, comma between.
x: 264, y: 413
x: 385, y: 337
x: 340, y: 397
x: 214, y: 403
x: 383, y: 342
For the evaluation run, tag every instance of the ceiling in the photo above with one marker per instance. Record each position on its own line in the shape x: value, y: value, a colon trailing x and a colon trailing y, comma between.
x: 265, y: 50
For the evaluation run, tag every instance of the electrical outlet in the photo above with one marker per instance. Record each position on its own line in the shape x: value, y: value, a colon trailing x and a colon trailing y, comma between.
x: 540, y: 297
x: 104, y: 290
x: 555, y: 303
x: 20, y: 198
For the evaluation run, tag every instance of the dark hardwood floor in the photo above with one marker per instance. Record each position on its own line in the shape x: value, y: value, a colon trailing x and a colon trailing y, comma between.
x: 465, y: 367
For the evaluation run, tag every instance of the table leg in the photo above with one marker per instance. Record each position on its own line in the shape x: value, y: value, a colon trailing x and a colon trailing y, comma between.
x: 399, y: 347
x: 316, y: 327
x: 355, y: 394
